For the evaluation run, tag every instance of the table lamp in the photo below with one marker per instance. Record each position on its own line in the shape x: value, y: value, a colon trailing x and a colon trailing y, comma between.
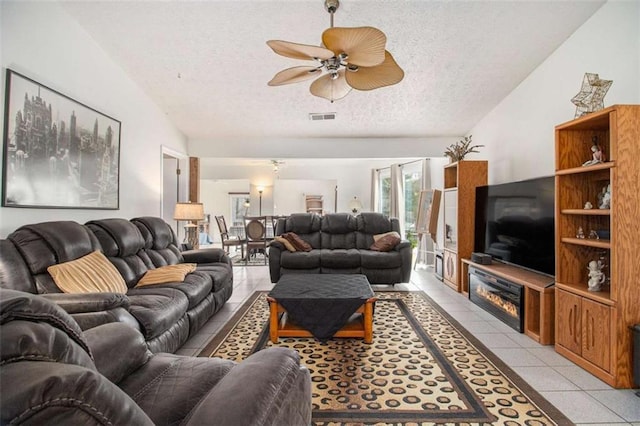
x: 355, y: 206
x: 190, y: 213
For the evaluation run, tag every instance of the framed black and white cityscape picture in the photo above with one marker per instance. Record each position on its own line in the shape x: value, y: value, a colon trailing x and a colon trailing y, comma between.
x: 58, y: 152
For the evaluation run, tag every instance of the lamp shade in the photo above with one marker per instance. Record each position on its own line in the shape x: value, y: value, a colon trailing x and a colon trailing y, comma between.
x: 188, y: 211
x: 355, y: 205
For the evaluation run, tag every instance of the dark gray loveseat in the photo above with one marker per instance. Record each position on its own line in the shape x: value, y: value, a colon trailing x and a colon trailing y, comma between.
x: 341, y: 245
x: 166, y: 314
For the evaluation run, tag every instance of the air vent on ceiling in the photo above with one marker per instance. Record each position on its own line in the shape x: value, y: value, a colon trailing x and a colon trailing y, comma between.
x: 315, y: 116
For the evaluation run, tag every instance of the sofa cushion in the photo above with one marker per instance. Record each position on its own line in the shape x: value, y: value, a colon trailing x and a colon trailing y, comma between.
x: 370, y: 224
x: 338, y: 223
x: 298, y: 243
x: 92, y: 273
x: 285, y: 243
x: 160, y: 241
x: 49, y: 243
x: 300, y: 259
x: 166, y: 274
x: 169, y: 387
x: 380, y: 260
x: 302, y: 223
x: 340, y: 258
x: 377, y: 237
x: 118, y: 237
x: 221, y: 275
x: 157, y: 309
x: 386, y: 243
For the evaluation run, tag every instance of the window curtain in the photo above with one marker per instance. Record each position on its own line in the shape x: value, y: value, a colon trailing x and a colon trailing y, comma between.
x: 375, y: 190
x: 396, y: 201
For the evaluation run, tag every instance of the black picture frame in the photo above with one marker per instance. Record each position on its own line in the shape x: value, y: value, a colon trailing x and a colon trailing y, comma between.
x: 57, y: 152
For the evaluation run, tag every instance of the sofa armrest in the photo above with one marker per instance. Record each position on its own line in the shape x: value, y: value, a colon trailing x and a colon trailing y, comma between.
x: 90, y: 310
x: 275, y: 253
x: 88, y: 302
x: 279, y: 393
x: 402, y: 244
x: 208, y: 255
x: 118, y: 350
x: 406, y: 252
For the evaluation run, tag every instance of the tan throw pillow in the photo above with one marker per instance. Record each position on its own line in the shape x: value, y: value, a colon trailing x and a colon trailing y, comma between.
x: 386, y: 243
x: 92, y: 273
x: 297, y: 242
x: 285, y: 243
x: 166, y: 274
x: 377, y: 237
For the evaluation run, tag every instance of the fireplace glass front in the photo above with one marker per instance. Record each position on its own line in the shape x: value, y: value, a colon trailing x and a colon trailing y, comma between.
x: 503, y: 299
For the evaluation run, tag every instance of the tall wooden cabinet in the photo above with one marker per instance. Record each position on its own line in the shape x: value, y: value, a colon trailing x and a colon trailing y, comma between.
x: 593, y: 327
x: 460, y: 182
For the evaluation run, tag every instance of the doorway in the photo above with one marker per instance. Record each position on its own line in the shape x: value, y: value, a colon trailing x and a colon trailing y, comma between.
x: 175, y: 172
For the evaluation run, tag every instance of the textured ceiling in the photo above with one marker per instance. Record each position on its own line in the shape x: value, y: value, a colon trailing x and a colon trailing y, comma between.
x: 206, y: 64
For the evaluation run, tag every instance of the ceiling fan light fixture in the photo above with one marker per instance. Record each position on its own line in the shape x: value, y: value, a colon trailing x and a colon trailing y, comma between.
x: 360, y: 50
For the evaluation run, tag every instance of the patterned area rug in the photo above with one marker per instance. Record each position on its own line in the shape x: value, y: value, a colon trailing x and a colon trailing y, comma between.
x: 256, y: 259
x: 422, y: 368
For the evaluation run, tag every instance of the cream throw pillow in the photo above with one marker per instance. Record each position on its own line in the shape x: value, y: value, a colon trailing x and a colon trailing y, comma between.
x: 285, y: 243
x: 166, y: 274
x: 377, y: 237
x: 92, y: 273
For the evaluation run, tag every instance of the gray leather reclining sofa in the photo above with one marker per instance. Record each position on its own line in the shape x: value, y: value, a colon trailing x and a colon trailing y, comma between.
x: 166, y: 314
x: 341, y: 245
x: 53, y: 373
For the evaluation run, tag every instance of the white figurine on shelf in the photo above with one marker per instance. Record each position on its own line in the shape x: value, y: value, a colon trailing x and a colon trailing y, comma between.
x: 588, y: 205
x: 604, y: 198
x: 596, y: 276
x: 580, y: 233
x: 597, y: 156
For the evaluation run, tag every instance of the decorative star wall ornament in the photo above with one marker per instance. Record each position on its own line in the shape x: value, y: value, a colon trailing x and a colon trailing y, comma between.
x: 591, y: 95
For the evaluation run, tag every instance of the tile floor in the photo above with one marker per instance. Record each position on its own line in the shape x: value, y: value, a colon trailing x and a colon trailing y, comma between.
x: 583, y: 398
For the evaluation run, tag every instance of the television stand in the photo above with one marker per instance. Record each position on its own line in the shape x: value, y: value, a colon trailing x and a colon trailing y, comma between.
x: 539, y: 302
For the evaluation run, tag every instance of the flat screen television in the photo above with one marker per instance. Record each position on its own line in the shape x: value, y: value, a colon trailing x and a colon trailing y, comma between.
x: 515, y: 223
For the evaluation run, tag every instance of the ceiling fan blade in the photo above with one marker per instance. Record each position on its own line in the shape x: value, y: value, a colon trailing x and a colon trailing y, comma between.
x: 364, y: 45
x: 294, y: 75
x: 299, y: 51
x: 369, y: 78
x: 331, y: 89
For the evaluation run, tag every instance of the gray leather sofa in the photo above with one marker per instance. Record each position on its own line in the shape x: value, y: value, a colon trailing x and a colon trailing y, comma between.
x: 53, y: 373
x: 166, y: 314
x: 341, y: 245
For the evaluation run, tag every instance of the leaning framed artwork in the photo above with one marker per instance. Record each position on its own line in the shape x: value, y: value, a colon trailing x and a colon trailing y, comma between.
x: 58, y: 152
x: 428, y: 210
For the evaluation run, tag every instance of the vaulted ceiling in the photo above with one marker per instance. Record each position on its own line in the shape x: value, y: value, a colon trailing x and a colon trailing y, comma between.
x: 206, y: 63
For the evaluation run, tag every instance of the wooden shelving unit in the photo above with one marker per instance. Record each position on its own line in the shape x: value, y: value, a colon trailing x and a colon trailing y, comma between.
x: 460, y: 182
x: 538, y: 297
x: 314, y: 204
x: 593, y: 328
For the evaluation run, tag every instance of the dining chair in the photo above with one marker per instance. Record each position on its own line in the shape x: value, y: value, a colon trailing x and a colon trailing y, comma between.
x: 226, y: 240
x: 255, y: 229
x: 274, y: 222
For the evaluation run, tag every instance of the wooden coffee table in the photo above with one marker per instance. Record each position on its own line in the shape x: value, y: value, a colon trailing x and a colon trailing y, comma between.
x: 312, y: 292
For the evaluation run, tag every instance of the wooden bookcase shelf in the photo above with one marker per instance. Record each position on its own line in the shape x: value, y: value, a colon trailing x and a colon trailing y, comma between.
x: 460, y: 182
x: 592, y: 329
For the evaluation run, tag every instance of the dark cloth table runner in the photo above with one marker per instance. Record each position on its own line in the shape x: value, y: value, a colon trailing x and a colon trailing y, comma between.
x: 321, y: 303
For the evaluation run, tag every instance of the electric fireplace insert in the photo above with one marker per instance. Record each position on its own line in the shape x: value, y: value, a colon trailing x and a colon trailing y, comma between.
x: 503, y: 299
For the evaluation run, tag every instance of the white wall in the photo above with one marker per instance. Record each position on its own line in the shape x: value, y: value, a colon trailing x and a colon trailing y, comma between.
x: 519, y: 133
x: 352, y: 176
x: 289, y: 195
x: 41, y: 41
x: 214, y: 195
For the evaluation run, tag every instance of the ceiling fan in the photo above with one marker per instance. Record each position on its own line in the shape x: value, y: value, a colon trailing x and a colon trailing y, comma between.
x: 349, y: 58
